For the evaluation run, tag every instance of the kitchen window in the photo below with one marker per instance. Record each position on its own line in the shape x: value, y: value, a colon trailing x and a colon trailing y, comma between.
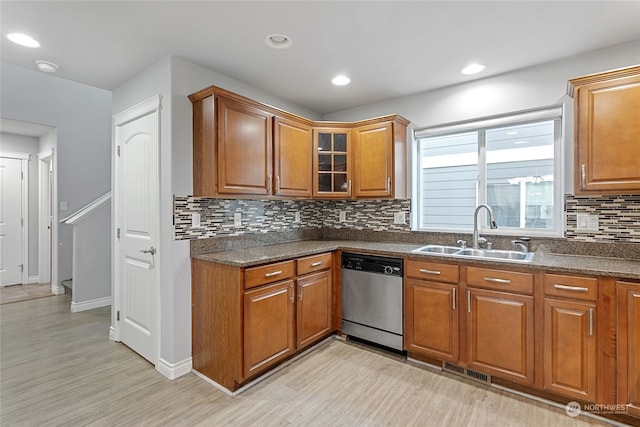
x: 512, y: 162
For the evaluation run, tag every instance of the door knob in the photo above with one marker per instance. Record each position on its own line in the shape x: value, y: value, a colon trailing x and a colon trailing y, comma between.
x: 151, y: 251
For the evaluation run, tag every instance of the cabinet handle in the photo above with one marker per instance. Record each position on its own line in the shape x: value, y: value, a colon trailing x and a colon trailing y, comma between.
x: 300, y: 292
x: 273, y: 273
x: 349, y: 187
x: 388, y: 185
x: 315, y: 264
x: 591, y: 322
x: 267, y: 184
x: 583, y: 174
x: 293, y: 298
x: 422, y: 270
x: 277, y: 184
x: 468, y: 301
x: 453, y: 298
x: 503, y: 281
x: 570, y: 288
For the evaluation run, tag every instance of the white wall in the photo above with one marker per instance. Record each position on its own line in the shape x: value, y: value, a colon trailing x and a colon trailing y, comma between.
x: 11, y: 143
x: 82, y: 116
x: 92, y: 252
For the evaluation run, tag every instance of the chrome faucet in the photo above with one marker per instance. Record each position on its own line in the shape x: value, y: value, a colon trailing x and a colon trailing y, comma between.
x: 492, y: 223
x: 522, y: 244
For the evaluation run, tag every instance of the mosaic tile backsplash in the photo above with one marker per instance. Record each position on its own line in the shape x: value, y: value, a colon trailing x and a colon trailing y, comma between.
x: 618, y: 216
x: 264, y: 216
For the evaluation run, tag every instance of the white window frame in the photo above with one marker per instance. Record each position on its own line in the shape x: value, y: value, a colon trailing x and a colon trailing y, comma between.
x: 554, y: 112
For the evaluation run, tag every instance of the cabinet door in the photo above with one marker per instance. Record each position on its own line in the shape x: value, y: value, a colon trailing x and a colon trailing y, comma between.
x: 331, y: 165
x: 244, y: 149
x: 373, y: 160
x: 431, y: 319
x: 314, y: 307
x: 500, y: 334
x: 570, y: 348
x: 268, y: 326
x: 292, y: 158
x: 628, y: 296
x: 607, y: 133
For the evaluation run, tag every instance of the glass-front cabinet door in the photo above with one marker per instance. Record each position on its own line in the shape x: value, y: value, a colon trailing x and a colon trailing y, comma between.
x: 332, y: 171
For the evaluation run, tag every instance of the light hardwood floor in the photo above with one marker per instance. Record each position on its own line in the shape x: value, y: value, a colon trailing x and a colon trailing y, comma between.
x: 60, y: 369
x: 15, y: 293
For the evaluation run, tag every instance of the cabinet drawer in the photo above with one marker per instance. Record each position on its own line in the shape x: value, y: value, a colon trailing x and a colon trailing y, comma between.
x: 313, y: 263
x: 571, y: 286
x: 510, y: 281
x: 434, y: 271
x: 257, y: 276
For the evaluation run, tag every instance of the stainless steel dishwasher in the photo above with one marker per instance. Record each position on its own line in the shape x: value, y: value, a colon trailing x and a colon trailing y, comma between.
x: 372, y: 298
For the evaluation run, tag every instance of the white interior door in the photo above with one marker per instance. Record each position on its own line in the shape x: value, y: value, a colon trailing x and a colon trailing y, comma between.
x: 11, y: 200
x: 137, y: 270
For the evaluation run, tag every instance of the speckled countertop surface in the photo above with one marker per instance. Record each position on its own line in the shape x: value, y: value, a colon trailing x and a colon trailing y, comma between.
x: 588, y: 265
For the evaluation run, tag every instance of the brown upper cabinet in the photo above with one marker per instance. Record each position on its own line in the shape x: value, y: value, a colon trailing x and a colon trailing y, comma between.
x: 242, y: 147
x: 244, y: 135
x: 607, y: 132
x: 332, y: 163
x: 380, y: 167
x: 292, y: 158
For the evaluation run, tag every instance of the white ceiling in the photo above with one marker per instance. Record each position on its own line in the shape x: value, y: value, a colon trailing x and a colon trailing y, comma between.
x: 388, y: 48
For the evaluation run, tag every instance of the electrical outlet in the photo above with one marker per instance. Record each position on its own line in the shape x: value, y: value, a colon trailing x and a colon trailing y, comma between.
x: 237, y: 219
x: 586, y: 222
x: 399, y: 218
x: 195, y: 220
x: 296, y: 216
x: 64, y: 206
x: 343, y: 216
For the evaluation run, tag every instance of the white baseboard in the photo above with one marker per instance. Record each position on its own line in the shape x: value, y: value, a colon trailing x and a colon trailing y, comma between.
x: 57, y: 289
x: 112, y: 333
x: 174, y: 370
x: 91, y: 304
x: 33, y: 280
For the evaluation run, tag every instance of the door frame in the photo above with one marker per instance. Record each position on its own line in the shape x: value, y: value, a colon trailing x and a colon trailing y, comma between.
x: 47, y: 221
x: 153, y: 104
x: 24, y: 190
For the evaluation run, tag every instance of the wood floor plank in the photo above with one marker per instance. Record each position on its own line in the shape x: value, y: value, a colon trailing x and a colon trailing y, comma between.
x: 60, y: 368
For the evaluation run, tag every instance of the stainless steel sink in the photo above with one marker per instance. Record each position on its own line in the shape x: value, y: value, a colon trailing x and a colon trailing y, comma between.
x: 497, y: 254
x: 438, y: 249
x: 493, y: 254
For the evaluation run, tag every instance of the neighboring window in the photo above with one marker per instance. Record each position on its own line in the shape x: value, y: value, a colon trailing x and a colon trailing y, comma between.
x: 512, y: 163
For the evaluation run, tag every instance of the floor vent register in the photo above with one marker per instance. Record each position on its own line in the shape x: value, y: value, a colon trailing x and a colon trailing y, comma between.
x: 467, y: 373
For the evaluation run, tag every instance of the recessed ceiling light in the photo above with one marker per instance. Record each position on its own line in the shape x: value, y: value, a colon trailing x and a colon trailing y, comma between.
x: 341, y: 80
x: 23, y: 40
x: 47, y: 66
x: 278, y: 41
x: 472, y: 69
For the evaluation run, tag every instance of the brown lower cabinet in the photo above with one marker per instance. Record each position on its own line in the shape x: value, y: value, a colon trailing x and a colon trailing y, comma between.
x: 500, y: 334
x: 431, y: 320
x: 247, y: 320
x: 313, y: 308
x: 569, y: 344
x: 628, y: 296
x: 269, y: 333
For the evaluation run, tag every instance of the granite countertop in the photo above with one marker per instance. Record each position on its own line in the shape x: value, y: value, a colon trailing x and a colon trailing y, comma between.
x: 588, y: 265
